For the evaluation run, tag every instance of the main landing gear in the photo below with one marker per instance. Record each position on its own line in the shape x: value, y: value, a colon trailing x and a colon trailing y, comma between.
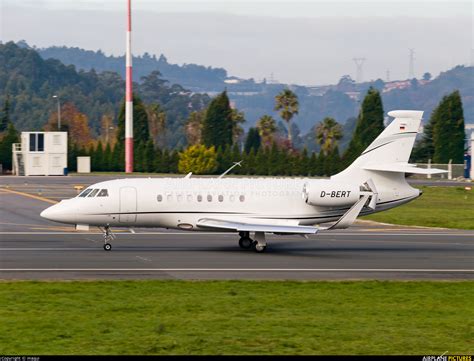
x: 259, y: 245
x: 108, y: 236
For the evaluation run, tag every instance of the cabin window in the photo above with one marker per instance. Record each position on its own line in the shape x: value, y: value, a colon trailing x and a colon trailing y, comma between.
x: 85, y: 193
x: 232, y: 198
x: 199, y: 198
x: 159, y: 198
x: 241, y: 198
x: 189, y: 197
x: 169, y: 197
x: 209, y: 198
x: 94, y: 192
x: 221, y: 198
x: 180, y: 197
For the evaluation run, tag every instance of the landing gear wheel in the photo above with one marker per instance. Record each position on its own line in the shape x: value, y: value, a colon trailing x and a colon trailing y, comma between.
x: 108, y: 236
x: 259, y: 248
x: 245, y: 242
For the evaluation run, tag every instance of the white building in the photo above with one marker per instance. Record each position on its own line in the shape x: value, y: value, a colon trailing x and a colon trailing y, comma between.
x: 40, y: 153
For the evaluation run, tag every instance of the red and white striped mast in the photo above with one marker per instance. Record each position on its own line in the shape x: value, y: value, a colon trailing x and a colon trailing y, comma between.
x: 129, y: 95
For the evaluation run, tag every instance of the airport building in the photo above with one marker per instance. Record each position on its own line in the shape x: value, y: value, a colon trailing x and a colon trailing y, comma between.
x: 40, y: 153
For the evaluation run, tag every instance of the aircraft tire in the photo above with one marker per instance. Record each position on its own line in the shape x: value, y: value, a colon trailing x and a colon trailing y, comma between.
x: 245, y: 242
x: 259, y: 248
x: 107, y: 246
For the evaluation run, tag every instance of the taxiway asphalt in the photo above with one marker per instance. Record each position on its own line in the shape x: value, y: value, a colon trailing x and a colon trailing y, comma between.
x: 34, y: 248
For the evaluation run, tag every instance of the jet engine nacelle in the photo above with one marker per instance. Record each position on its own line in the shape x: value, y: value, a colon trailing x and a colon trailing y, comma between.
x: 327, y: 193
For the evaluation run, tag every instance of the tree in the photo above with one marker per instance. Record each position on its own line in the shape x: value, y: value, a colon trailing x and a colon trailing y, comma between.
x: 369, y: 126
x: 218, y: 125
x: 157, y: 123
x: 118, y: 157
x: 74, y: 122
x: 108, y: 130
x: 253, y: 140
x: 266, y: 126
x: 287, y: 103
x: 427, y: 76
x: 98, y: 163
x: 328, y: 133
x: 5, y: 116
x: 107, y: 159
x: 193, y: 127
x: 332, y: 162
x: 149, y: 157
x: 448, y: 130
x: 198, y: 159
x: 238, y: 118
x: 138, y: 157
x: 313, y: 164
x: 9, y: 137
x: 140, y: 123
x: 248, y: 165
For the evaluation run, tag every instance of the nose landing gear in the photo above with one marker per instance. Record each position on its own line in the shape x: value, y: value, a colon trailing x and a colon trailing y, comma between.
x: 108, y: 236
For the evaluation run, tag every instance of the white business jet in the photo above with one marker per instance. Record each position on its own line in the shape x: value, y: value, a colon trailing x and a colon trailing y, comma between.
x: 253, y: 207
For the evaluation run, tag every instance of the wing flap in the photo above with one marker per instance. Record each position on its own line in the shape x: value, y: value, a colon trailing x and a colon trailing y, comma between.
x: 254, y: 227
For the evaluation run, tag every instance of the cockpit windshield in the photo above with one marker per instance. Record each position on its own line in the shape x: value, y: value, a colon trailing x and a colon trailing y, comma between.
x: 85, y: 192
x: 94, y: 192
x: 103, y: 193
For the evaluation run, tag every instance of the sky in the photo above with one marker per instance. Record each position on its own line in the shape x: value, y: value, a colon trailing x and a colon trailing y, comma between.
x: 298, y: 42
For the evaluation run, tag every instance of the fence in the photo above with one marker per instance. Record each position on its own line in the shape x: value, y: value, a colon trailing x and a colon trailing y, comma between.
x: 455, y: 171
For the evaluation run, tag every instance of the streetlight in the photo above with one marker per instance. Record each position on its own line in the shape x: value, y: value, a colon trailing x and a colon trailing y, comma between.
x: 59, y: 111
x: 107, y: 133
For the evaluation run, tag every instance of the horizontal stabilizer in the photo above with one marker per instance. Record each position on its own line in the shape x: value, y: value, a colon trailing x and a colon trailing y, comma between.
x: 250, y: 227
x: 402, y: 168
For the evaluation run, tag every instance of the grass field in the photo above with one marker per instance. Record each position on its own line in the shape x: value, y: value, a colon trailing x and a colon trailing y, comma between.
x: 447, y: 207
x: 236, y: 317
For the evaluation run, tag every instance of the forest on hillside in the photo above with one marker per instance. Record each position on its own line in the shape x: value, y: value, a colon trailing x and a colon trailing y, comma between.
x: 30, y: 82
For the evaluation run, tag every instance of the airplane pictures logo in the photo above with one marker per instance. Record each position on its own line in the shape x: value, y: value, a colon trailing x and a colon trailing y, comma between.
x: 448, y: 358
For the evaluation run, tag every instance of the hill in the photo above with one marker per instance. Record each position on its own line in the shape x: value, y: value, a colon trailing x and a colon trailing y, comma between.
x: 191, y: 76
x: 30, y: 82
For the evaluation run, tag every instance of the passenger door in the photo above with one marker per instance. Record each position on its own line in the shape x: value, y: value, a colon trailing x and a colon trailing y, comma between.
x: 128, y: 205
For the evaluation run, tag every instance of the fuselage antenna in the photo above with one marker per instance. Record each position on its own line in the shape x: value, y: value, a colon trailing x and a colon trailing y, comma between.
x: 232, y: 167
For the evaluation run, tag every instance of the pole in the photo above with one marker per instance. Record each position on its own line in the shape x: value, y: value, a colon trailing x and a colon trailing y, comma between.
x: 472, y: 156
x: 59, y: 114
x: 128, y: 95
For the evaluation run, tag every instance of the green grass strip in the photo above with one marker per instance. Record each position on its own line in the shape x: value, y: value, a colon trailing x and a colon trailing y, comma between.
x: 236, y: 317
x: 446, y: 207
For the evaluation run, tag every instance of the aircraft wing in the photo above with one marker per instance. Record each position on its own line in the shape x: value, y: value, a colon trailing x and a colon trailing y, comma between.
x: 254, y: 227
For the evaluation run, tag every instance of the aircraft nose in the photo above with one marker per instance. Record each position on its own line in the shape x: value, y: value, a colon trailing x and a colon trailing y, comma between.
x: 58, y: 213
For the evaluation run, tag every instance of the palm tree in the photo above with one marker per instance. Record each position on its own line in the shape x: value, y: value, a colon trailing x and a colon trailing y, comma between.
x: 287, y: 103
x: 237, y: 119
x: 266, y: 126
x: 328, y: 132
